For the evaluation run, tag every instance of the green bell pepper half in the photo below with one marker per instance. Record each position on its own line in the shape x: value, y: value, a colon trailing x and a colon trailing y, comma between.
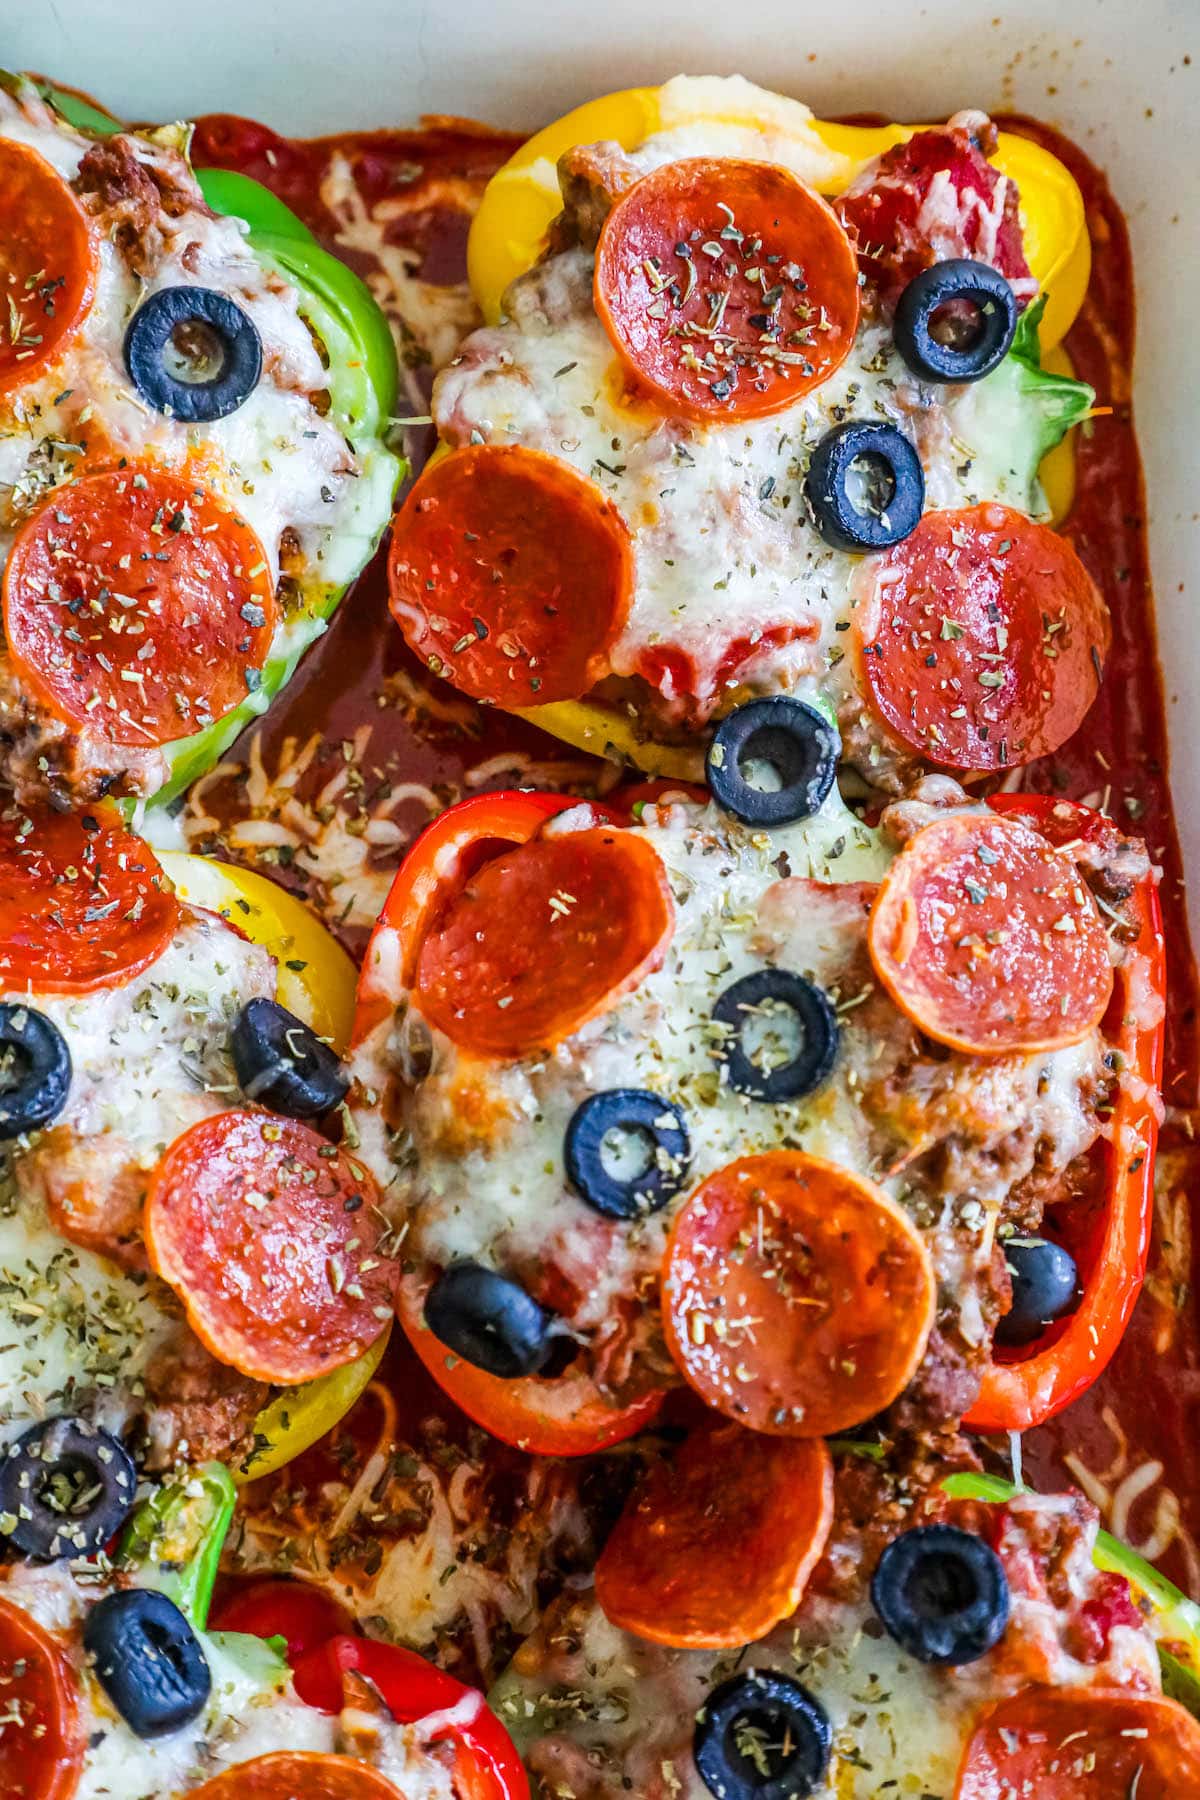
x: 1174, y: 1619
x: 363, y: 375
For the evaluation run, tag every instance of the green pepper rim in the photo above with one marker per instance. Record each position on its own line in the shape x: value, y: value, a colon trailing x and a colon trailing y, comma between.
x: 241, y: 197
x: 79, y: 112
x: 1175, y: 1620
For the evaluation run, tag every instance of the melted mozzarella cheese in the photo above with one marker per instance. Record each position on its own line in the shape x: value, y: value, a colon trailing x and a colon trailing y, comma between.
x: 723, y: 543
x: 149, y: 1058
x: 479, y: 1156
x: 624, y: 1708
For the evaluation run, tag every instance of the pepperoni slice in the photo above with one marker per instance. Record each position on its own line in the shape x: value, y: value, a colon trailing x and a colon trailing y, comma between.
x: 47, y: 263
x: 138, y: 605
x: 989, y: 938
x: 1082, y: 1744
x: 271, y: 1238
x: 83, y: 903
x: 715, y: 1550
x: 982, y: 638
x: 510, y: 575
x: 543, y: 938
x: 797, y: 1298
x: 41, y: 1743
x: 298, y: 1775
x: 728, y: 288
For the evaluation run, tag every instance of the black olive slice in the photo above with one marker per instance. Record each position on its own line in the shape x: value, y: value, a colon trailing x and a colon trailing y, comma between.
x: 148, y: 1660
x: 792, y: 742
x: 641, y: 1119
x: 942, y: 1594
x: 1045, y: 1286
x: 865, y: 486
x: 193, y: 354
x: 754, y: 999
x: 488, y: 1320
x: 283, y: 1065
x: 68, y: 1486
x: 761, y: 1736
x: 35, y: 1070
x: 975, y: 330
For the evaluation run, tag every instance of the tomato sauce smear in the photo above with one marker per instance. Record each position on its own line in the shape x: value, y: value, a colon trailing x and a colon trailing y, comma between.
x: 424, y: 185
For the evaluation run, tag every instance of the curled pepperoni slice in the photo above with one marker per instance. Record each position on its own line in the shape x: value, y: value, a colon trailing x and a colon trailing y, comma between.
x: 931, y: 199
x: 510, y: 575
x: 1064, y: 1743
x: 271, y: 1238
x: 47, y: 263
x: 138, y: 605
x: 41, y: 1742
x: 543, y: 938
x: 83, y: 903
x: 728, y: 288
x: 298, y: 1775
x: 989, y: 938
x: 982, y: 638
x: 713, y: 1551
x: 797, y: 1298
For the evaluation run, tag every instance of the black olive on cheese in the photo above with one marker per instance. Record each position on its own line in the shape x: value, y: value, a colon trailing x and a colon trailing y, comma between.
x: 193, y: 354
x: 67, y: 1486
x: 865, y: 486
x: 942, y: 1594
x: 761, y: 1736
x: 1045, y: 1285
x: 955, y: 321
x: 772, y: 761
x: 35, y: 1070
x: 627, y: 1152
x: 282, y: 1064
x: 488, y: 1320
x: 797, y: 1031
x: 148, y: 1660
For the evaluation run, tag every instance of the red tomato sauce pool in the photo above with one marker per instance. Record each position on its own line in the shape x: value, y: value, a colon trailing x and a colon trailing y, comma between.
x: 419, y: 189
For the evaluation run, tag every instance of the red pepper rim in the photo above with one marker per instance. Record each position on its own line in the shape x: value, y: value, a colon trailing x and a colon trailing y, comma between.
x: 1019, y: 1395
x: 486, y: 1764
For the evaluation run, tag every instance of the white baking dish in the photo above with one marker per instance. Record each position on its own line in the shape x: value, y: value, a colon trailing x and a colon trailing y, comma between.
x: 1116, y: 77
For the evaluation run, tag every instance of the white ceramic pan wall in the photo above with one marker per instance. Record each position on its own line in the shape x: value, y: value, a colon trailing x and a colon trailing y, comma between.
x: 1121, y: 76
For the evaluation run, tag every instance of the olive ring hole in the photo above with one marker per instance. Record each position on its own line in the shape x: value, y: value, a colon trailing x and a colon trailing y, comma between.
x: 627, y: 1152
x: 938, y: 1589
x: 871, y: 485
x: 196, y: 352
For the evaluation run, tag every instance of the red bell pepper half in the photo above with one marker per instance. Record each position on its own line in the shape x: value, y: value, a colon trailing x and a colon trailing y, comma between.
x: 486, y: 1766
x: 1025, y: 1387
x: 564, y: 1415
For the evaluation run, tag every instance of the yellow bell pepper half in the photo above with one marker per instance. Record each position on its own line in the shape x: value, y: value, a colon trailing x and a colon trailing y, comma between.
x: 523, y: 198
x: 315, y: 979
